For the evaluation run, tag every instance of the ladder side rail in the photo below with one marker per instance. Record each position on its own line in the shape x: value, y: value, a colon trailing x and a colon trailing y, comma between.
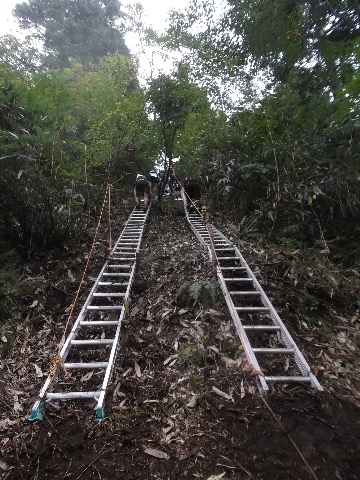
x: 201, y: 240
x: 66, y: 347
x: 285, y: 334
x: 263, y: 387
x: 143, y: 229
x: 99, y: 396
x: 127, y: 224
x: 99, y: 409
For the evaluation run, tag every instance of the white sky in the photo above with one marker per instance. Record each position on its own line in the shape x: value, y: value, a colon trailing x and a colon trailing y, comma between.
x: 155, y: 15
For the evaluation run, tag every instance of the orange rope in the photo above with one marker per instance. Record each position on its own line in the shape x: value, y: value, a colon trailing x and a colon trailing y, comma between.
x: 56, y: 362
x: 109, y: 218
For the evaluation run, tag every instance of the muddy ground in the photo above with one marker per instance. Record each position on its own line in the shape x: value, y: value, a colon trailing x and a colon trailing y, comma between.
x: 183, y: 405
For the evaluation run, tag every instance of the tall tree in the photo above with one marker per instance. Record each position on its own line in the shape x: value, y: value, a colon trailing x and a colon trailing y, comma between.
x: 173, y: 99
x: 82, y: 30
x: 285, y: 34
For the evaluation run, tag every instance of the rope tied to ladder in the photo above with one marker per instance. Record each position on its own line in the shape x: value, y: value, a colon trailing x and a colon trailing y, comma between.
x: 57, y: 361
x: 204, y: 214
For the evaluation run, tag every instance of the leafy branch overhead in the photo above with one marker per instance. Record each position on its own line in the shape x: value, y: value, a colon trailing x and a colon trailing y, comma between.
x: 80, y: 30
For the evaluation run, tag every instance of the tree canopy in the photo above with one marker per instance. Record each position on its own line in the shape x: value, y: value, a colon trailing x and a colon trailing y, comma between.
x: 80, y: 30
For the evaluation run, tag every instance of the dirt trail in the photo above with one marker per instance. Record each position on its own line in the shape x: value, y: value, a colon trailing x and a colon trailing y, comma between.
x: 182, y: 407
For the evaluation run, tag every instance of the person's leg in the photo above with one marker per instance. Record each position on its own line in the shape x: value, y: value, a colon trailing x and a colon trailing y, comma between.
x: 146, y: 199
x: 136, y: 197
x: 146, y: 196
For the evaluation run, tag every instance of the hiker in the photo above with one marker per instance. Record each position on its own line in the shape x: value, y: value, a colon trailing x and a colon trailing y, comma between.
x: 172, y: 179
x: 193, y: 194
x: 154, y: 180
x: 142, y: 187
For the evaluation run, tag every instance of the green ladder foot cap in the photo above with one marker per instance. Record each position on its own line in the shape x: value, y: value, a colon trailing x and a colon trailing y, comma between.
x: 99, y: 414
x: 35, y: 415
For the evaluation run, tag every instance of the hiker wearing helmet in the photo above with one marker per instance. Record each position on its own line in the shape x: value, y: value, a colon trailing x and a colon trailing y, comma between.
x: 142, y: 187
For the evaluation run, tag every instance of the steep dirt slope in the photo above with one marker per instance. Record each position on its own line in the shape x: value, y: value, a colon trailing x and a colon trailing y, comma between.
x: 182, y: 406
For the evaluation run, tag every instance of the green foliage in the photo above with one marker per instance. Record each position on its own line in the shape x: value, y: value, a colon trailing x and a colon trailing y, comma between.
x: 191, y: 354
x: 34, y: 214
x: 173, y: 100
x: 80, y: 30
x: 204, y: 292
x: 13, y: 288
x: 19, y: 56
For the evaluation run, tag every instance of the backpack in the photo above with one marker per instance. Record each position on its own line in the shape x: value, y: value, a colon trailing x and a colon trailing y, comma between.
x: 140, y: 179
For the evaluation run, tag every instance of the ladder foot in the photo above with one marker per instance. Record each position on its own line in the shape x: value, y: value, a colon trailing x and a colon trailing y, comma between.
x: 35, y: 415
x: 99, y: 414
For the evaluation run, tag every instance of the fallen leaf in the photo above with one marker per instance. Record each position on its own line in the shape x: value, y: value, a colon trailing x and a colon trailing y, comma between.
x: 39, y: 372
x: 222, y: 394
x: 137, y: 370
x: 183, y: 311
x: 17, y: 406
x: 7, y: 423
x: 242, y: 389
x: 229, y: 362
x: 170, y: 358
x: 192, y: 403
x: 87, y: 376
x: 4, y: 466
x: 35, y: 302
x: 189, y: 454
x: 4, y: 339
x: 157, y: 453
x: 216, y: 477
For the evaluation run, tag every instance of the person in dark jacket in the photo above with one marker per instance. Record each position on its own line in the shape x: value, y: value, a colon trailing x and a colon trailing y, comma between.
x: 142, y: 187
x: 193, y: 194
x: 154, y: 180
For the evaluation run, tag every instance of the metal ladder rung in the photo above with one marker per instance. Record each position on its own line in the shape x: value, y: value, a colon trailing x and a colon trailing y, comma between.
x: 228, y: 258
x: 73, y: 396
x: 112, y: 284
x: 284, y: 379
x: 110, y: 274
x: 99, y: 323
x: 82, y: 366
x: 262, y: 328
x: 102, y: 294
x: 249, y: 293
x: 288, y: 351
x: 121, y: 266
x: 104, y: 307
x: 224, y: 249
x: 115, y: 265
x: 100, y: 341
x: 252, y: 309
x: 234, y: 268
x: 126, y: 245
x: 124, y: 265
x: 239, y: 280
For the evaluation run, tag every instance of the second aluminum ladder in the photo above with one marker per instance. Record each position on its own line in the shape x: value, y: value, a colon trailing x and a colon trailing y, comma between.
x: 272, y: 353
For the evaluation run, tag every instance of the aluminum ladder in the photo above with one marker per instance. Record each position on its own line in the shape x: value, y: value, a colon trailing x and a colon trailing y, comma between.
x: 94, y: 339
x: 256, y: 320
